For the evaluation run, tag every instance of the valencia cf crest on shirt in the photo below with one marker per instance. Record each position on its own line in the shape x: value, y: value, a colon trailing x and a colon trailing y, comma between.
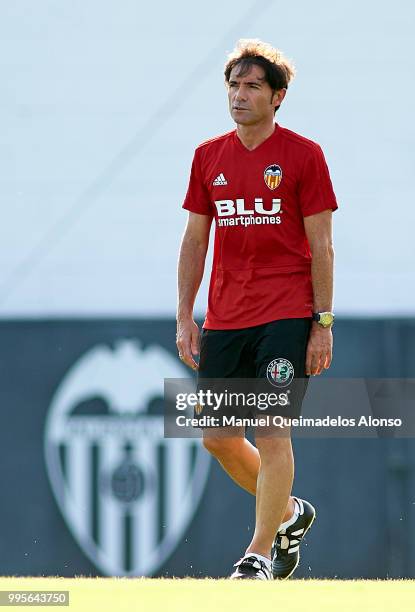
x: 273, y: 176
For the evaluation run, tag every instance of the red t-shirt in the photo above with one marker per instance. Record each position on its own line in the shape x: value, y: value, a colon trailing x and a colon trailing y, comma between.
x: 262, y: 262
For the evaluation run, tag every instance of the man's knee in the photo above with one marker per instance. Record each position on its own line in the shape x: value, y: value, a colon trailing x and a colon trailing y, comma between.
x: 222, y: 446
x: 273, y: 447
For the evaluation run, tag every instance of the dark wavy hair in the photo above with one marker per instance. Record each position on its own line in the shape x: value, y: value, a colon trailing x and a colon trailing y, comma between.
x: 279, y: 71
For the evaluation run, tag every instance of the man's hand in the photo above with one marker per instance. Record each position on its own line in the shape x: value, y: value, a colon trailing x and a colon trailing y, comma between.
x: 187, y: 341
x: 319, y: 349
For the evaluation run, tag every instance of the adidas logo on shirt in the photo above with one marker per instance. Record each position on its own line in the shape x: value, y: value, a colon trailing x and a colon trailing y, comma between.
x: 220, y: 180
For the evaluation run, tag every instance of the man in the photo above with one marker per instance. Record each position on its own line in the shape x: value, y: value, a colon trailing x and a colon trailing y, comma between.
x: 271, y: 287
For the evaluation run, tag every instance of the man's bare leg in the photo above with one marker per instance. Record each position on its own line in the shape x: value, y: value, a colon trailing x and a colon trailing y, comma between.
x: 274, y: 484
x: 241, y: 461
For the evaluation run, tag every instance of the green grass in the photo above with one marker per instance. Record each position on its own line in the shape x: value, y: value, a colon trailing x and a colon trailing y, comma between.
x: 208, y: 595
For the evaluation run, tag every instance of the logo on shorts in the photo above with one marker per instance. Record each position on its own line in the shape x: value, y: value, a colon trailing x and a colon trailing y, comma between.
x: 280, y: 372
x: 273, y: 176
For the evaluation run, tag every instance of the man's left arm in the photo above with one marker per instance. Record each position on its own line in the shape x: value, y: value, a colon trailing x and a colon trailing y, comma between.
x: 318, y: 230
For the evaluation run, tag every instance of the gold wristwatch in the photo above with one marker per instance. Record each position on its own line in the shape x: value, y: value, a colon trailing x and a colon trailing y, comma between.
x: 325, y: 319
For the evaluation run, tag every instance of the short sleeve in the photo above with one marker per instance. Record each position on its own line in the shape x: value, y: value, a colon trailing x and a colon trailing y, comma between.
x: 197, y: 198
x: 315, y: 190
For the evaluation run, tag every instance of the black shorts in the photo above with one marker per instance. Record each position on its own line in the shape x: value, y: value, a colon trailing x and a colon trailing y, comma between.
x: 273, y: 354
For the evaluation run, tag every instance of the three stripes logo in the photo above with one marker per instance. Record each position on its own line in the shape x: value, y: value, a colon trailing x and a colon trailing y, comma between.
x: 127, y: 493
x: 220, y: 180
x: 292, y: 543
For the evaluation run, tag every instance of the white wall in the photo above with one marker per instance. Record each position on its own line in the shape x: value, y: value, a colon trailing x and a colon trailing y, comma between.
x: 102, y: 104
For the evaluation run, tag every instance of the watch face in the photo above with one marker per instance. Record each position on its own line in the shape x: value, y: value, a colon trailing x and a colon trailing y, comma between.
x: 326, y: 319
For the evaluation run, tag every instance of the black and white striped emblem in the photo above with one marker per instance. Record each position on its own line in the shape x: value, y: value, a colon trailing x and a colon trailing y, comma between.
x: 126, y: 492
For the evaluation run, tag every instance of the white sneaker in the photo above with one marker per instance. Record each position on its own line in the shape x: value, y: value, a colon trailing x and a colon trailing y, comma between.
x: 252, y: 568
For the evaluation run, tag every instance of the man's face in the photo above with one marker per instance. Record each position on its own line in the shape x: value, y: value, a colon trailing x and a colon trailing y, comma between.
x: 251, y: 99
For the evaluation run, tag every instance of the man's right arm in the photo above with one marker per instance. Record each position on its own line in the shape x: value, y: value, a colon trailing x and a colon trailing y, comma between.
x: 190, y: 273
